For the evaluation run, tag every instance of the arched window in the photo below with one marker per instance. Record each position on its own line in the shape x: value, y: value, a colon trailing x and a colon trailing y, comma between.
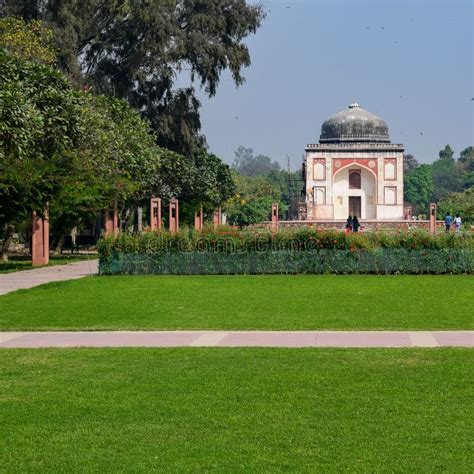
x: 354, y: 179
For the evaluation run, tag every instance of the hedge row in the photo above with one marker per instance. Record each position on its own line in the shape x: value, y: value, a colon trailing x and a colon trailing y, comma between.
x: 228, y: 240
x: 377, y: 261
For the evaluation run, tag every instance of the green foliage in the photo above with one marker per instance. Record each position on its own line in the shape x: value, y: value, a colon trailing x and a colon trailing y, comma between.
x: 259, y: 183
x: 29, y: 40
x: 116, y: 160
x: 40, y: 126
x: 211, y: 182
x: 228, y: 240
x: 446, y: 175
x: 250, y: 212
x: 246, y: 164
x: 373, y: 261
x: 136, y: 51
x: 459, y: 203
x: 466, y: 158
x: 305, y: 250
x: 418, y: 188
x: 83, y: 153
x: 431, y: 183
x: 409, y: 163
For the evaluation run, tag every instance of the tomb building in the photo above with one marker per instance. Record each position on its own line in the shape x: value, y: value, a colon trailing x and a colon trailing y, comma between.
x: 354, y: 169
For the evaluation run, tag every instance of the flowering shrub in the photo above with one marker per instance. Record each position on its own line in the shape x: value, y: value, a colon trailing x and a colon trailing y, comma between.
x: 227, y: 240
x: 305, y: 250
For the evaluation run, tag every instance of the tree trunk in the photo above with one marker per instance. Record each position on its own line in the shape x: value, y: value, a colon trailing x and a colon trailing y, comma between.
x: 7, y: 239
x: 139, y: 219
x: 58, y: 242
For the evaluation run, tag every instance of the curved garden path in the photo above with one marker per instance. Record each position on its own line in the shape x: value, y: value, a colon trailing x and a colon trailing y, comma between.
x: 38, y: 276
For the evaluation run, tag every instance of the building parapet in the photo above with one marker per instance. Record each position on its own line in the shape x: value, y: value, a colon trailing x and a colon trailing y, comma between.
x: 354, y: 147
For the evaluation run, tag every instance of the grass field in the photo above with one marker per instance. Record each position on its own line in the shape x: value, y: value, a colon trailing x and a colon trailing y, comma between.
x: 15, y: 264
x: 188, y: 410
x: 274, y: 302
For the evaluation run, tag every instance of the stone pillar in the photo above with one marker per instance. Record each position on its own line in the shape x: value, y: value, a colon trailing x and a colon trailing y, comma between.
x: 174, y: 215
x: 433, y: 218
x: 274, y: 217
x: 199, y: 220
x: 40, y: 239
x: 217, y: 217
x: 155, y: 214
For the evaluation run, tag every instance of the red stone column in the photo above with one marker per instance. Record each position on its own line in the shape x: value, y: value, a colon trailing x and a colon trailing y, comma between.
x: 217, y: 218
x: 174, y: 215
x: 274, y: 217
x: 433, y: 218
x: 40, y: 239
x: 111, y: 222
x: 199, y: 220
x: 155, y: 214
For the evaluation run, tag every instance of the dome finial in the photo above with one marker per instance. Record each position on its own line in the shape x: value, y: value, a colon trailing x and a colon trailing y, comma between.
x: 354, y: 105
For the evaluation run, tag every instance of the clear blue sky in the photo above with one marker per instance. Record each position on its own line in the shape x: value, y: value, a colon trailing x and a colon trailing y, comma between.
x: 312, y: 59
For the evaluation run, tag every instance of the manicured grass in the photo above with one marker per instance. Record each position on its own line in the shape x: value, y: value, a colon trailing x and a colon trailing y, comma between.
x: 227, y: 410
x: 16, y: 264
x: 274, y: 302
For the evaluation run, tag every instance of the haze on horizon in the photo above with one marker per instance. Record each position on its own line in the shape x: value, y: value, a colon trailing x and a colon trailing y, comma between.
x: 409, y: 62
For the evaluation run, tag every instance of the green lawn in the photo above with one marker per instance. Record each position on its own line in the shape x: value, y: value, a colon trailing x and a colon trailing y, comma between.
x: 223, y: 410
x: 15, y: 264
x: 245, y: 302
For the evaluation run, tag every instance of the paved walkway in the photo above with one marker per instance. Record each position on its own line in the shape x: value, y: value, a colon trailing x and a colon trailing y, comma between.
x: 38, y: 276
x: 238, y: 339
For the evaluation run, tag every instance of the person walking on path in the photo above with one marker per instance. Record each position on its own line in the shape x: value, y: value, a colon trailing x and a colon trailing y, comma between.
x: 355, y: 224
x: 457, y: 223
x: 349, y: 224
x: 447, y: 222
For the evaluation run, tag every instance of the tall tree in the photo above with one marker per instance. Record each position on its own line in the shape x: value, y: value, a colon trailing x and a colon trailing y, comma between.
x: 418, y: 188
x: 466, y: 166
x: 466, y: 158
x: 246, y: 164
x: 40, y: 124
x: 459, y: 203
x: 137, y: 50
x: 446, y: 175
x: 409, y: 163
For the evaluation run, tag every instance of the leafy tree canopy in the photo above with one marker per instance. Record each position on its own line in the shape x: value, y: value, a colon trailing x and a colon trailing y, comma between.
x: 418, y: 188
x: 459, y: 203
x: 466, y: 159
x: 409, y: 163
x: 137, y: 50
x: 40, y: 124
x: 447, y: 177
x: 32, y: 41
x: 246, y: 164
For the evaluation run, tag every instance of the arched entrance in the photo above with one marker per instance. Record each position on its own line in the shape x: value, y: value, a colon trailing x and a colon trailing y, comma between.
x: 354, y: 192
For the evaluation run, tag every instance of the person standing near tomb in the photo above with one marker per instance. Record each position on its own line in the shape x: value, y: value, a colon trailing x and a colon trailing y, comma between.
x: 457, y: 223
x: 349, y: 224
x: 447, y: 222
x: 355, y: 224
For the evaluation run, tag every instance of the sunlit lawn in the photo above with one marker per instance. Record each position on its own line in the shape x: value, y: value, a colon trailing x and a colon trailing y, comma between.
x: 275, y: 302
x: 227, y: 410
